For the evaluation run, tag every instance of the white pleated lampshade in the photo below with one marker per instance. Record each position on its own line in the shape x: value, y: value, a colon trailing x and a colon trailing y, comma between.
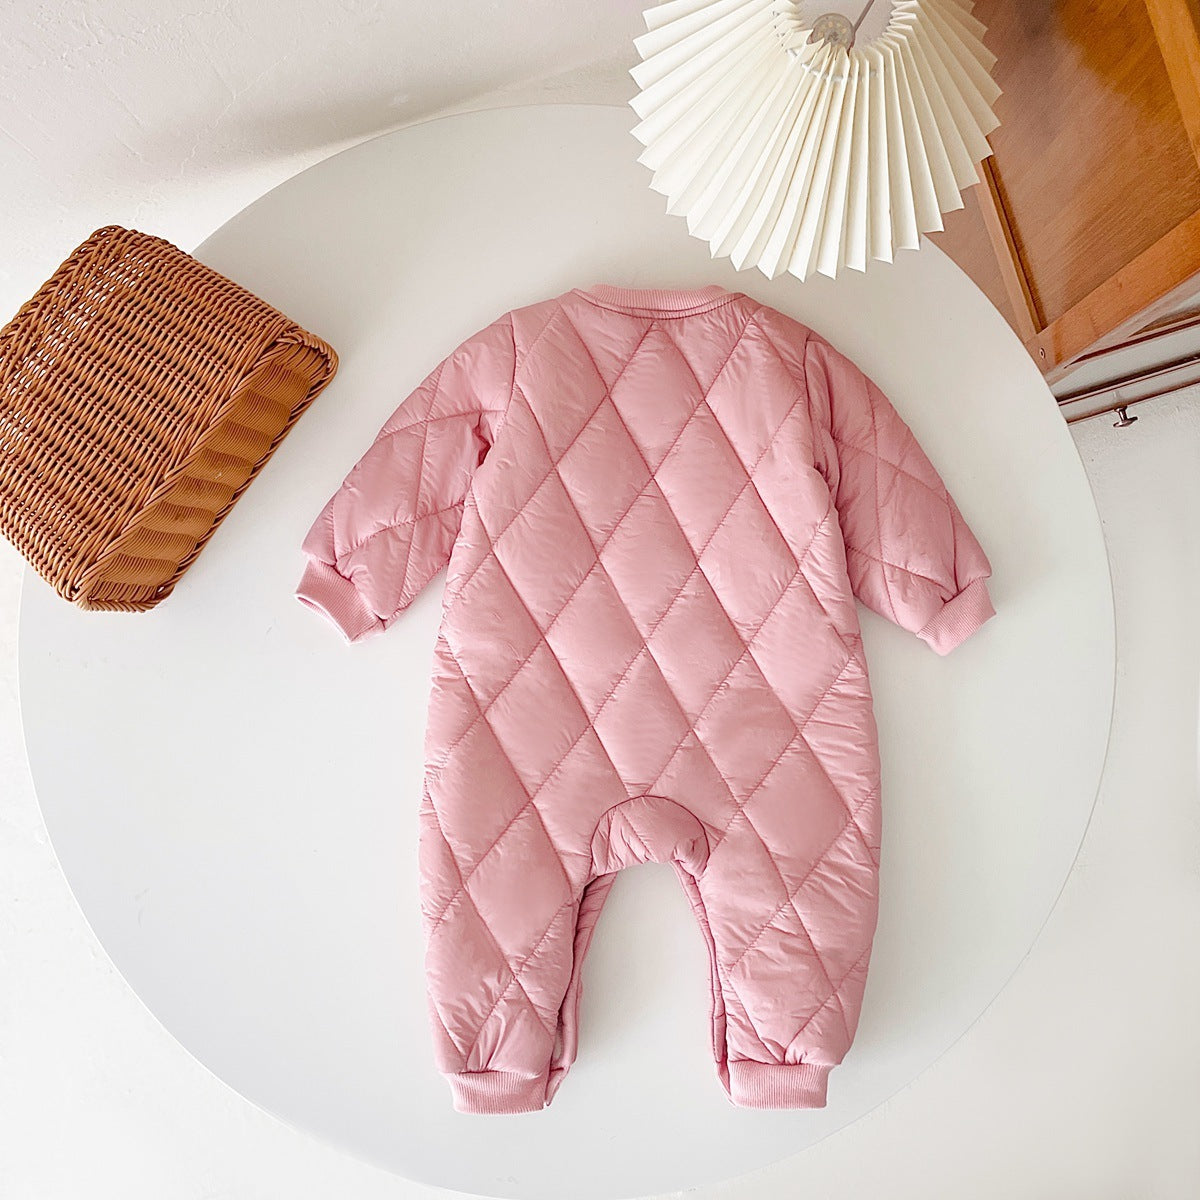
x: 793, y: 150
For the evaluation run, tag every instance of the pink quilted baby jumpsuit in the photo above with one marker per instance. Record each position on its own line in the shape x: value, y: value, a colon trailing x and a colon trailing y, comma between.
x: 657, y: 509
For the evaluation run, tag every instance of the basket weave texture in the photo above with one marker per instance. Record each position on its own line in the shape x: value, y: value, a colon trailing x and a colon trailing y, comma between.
x: 140, y: 393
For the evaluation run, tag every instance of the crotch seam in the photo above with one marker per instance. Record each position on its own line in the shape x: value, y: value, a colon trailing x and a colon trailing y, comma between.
x: 649, y: 828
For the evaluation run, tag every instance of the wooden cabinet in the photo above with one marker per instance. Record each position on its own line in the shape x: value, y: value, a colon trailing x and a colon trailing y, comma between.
x: 1086, y: 227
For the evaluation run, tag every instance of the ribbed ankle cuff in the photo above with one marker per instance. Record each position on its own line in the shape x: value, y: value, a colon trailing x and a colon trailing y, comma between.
x: 777, y: 1085
x: 495, y: 1092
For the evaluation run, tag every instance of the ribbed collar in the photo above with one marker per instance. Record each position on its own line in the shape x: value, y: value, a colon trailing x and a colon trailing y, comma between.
x: 650, y: 302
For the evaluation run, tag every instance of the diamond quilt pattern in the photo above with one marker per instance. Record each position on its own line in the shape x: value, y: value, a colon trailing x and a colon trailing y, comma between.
x: 657, y: 511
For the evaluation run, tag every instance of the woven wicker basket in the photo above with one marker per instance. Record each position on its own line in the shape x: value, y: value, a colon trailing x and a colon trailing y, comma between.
x: 140, y: 393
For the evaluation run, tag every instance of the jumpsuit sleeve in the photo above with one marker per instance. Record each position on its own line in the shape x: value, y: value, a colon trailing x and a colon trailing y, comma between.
x: 910, y: 555
x: 392, y: 524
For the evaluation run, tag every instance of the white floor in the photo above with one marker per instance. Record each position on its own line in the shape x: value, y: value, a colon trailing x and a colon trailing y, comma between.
x: 1078, y: 1082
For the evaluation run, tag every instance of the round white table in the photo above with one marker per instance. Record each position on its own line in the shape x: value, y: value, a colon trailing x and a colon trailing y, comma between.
x: 232, y: 792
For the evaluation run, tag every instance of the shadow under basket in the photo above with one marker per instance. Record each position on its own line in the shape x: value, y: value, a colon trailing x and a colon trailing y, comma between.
x: 140, y: 393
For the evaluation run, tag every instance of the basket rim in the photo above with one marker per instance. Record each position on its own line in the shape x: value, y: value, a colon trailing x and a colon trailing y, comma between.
x: 324, y: 357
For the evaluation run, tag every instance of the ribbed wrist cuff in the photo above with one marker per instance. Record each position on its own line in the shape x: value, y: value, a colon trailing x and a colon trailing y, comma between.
x: 777, y: 1085
x: 961, y: 617
x: 497, y: 1092
x: 335, y: 597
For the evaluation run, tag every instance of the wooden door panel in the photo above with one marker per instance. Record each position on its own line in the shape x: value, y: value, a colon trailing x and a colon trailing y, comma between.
x: 1089, y: 132
x: 1093, y: 189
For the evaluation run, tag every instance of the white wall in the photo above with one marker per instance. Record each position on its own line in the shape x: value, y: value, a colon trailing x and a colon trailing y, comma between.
x: 169, y: 116
x: 1078, y: 1082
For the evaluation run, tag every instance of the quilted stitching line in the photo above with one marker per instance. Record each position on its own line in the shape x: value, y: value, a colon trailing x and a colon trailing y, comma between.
x: 416, y: 503
x: 566, y: 677
x: 554, y: 470
x: 446, y: 1030
x: 682, y: 533
x: 815, y: 756
x: 801, y: 394
x: 608, y: 387
x: 831, y: 624
x: 600, y: 375
x: 729, y: 992
x: 850, y: 821
x: 802, y: 379
x: 838, y: 444
x: 758, y: 629
x: 791, y: 900
x: 703, y: 402
x: 530, y: 796
x: 657, y: 666
x: 887, y: 587
x: 725, y: 679
x: 466, y: 877
x: 883, y: 562
x: 641, y: 492
x: 738, y: 808
x: 566, y: 604
x: 605, y: 387
x: 834, y: 995
x: 650, y: 654
x: 690, y: 732
x: 517, y: 389
x: 415, y: 519
x: 899, y: 470
x: 554, y: 312
x: 853, y: 819
x: 515, y: 970
x: 493, y: 539
x: 522, y: 664
x: 480, y: 710
x: 749, y: 473
x: 560, y: 311
x: 750, y: 480
x: 737, y: 341
x: 708, y: 754
x: 838, y: 447
x: 524, y: 963
x: 642, y: 650
x: 798, y: 735
x: 467, y: 898
x: 469, y: 413
x: 851, y: 660
x: 434, y: 382
x: 529, y: 801
x: 520, y: 599
x: 554, y: 770
x: 741, y: 810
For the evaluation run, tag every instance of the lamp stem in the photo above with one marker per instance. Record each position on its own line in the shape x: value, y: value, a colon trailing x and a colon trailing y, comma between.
x: 862, y: 16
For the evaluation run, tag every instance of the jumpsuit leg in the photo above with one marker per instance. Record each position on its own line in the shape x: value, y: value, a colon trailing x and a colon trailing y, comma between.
x: 509, y: 902
x: 787, y: 902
